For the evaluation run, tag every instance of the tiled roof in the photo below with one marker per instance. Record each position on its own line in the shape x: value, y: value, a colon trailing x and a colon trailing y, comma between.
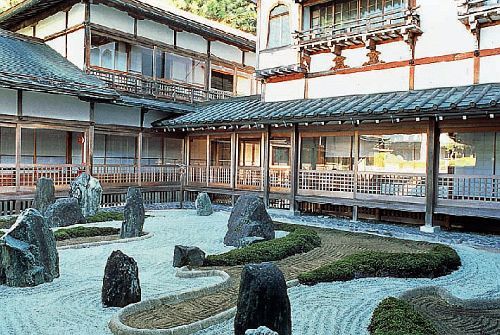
x: 467, y: 100
x: 155, y: 104
x: 28, y: 63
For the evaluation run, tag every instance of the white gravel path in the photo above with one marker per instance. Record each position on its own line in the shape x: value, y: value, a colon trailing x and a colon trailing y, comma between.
x: 71, y: 305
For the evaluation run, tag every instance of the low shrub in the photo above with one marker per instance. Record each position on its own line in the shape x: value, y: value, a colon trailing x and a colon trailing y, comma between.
x: 397, y: 317
x: 7, y: 222
x: 76, y: 232
x: 106, y: 216
x: 300, y: 240
x: 439, y: 261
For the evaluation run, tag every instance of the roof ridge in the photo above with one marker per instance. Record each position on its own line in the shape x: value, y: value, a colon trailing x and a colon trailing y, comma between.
x: 26, y: 38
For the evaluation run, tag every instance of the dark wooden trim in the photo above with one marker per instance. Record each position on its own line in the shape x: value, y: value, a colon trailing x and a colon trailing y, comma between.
x: 19, y: 111
x: 294, y: 159
x: 266, y: 136
x: 432, y: 171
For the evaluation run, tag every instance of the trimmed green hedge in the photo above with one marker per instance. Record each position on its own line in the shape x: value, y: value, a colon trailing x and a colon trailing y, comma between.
x: 397, y: 317
x: 439, y: 261
x: 6, y: 223
x: 300, y: 240
x: 106, y: 216
x: 76, y: 232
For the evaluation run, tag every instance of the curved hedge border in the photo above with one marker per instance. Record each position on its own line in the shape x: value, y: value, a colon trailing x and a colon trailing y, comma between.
x: 439, y: 261
x: 80, y: 231
x: 300, y: 240
x: 397, y: 317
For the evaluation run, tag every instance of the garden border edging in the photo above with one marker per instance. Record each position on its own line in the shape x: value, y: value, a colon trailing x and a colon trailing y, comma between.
x: 101, y: 243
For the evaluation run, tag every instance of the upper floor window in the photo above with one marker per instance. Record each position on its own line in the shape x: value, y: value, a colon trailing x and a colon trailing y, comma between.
x: 222, y: 81
x: 279, y: 27
x: 346, y: 12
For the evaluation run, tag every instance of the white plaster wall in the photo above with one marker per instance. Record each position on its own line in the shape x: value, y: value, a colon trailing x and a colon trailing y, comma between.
x: 277, y: 58
x: 192, y: 42
x: 355, y: 57
x: 111, y: 18
x: 287, y: 90
x: 321, y: 62
x: 250, y: 59
x: 155, y: 31
x: 244, y: 86
x: 490, y: 37
x: 76, y: 15
x: 8, y: 101
x: 394, y: 52
x: 117, y: 115
x: 443, y: 33
x: 359, y: 83
x: 54, y: 106
x: 490, y: 69
x: 58, y: 44
x: 27, y: 31
x: 225, y: 51
x: 51, y: 25
x: 76, y: 48
x: 444, y: 74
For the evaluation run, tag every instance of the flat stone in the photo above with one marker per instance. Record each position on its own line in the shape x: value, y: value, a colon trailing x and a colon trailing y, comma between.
x: 28, y: 252
x: 120, y: 285
x: 261, y: 331
x: 203, y: 205
x: 88, y: 191
x: 188, y: 256
x: 134, y: 214
x: 64, y: 212
x: 44, y: 194
x: 249, y: 218
x: 263, y: 300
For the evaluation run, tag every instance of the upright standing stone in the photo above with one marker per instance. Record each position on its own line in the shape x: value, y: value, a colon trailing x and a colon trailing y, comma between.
x: 120, y: 285
x: 203, y: 205
x: 44, y: 194
x: 134, y: 214
x: 88, y: 191
x: 190, y: 256
x: 28, y: 253
x: 249, y: 218
x: 263, y: 300
x: 64, y: 212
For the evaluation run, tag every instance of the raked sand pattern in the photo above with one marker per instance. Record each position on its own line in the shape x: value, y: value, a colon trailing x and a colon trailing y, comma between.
x: 71, y: 304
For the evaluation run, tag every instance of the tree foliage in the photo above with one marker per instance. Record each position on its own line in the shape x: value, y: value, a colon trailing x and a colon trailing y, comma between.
x: 6, y: 4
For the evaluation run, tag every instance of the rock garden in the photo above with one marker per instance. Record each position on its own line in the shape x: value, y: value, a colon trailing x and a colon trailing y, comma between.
x: 238, y: 272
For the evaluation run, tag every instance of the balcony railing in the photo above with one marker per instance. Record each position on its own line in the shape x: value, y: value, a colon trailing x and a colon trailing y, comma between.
x: 392, y: 184
x: 249, y: 177
x: 220, y: 175
x: 467, y: 7
x: 326, y: 183
x: 470, y: 188
x: 161, y: 174
x: 116, y: 174
x: 139, y: 85
x: 380, y: 27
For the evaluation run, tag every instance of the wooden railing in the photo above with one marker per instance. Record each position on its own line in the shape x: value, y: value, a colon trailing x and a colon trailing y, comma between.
x: 471, y: 188
x: 61, y: 174
x: 7, y: 175
x: 161, y: 174
x: 220, y: 175
x: 280, y: 178
x: 197, y: 175
x: 467, y: 7
x: 140, y: 85
x: 391, y: 184
x: 329, y: 183
x: 116, y: 174
x: 249, y: 177
x: 384, y: 23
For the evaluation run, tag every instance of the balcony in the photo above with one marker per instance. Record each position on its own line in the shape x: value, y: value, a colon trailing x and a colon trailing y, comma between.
x: 472, y: 12
x: 402, y: 22
x: 148, y: 87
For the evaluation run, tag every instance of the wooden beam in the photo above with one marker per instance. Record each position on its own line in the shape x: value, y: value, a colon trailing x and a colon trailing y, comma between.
x: 265, y: 163
x: 139, y: 158
x: 208, y: 161
x: 90, y: 140
x: 18, y: 157
x: 294, y: 159
x: 234, y: 159
x: 432, y: 170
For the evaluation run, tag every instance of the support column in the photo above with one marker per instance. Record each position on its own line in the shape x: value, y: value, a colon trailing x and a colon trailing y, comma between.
x: 234, y: 159
x: 139, y: 159
x: 431, y: 176
x: 18, y: 157
x: 208, y: 160
x: 266, y: 135
x: 355, y: 169
x: 89, y: 158
x: 295, y: 146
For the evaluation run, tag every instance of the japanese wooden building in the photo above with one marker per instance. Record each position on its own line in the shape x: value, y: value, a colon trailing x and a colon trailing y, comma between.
x: 384, y: 109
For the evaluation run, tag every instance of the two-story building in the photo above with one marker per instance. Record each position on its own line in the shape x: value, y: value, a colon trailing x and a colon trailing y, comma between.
x: 384, y: 109
x: 158, y: 61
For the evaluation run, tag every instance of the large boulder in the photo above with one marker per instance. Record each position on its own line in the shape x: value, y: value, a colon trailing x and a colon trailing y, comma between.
x: 134, y: 214
x: 88, y: 191
x: 203, y: 205
x: 188, y: 256
x: 249, y: 218
x: 261, y: 331
x: 120, y: 285
x: 28, y: 253
x: 44, y: 194
x: 64, y: 212
x: 263, y: 300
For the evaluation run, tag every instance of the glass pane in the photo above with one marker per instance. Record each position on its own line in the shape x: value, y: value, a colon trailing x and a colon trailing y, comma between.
x: 50, y: 146
x: 7, y: 145
x: 249, y: 153
x: 198, y: 151
x: 120, y: 150
x: 136, y: 59
x: 147, y: 62
x: 173, y: 151
x: 278, y: 10
x: 77, y: 148
x: 152, y: 150
x: 286, y: 35
x: 199, y: 72
x: 274, y: 32
x: 160, y: 64
x: 220, y: 152
x: 121, y: 57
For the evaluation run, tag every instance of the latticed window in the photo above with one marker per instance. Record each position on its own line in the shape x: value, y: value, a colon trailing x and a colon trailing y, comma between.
x: 279, y: 27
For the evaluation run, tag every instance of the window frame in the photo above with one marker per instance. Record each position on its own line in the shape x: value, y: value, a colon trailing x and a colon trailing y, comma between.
x: 278, y: 16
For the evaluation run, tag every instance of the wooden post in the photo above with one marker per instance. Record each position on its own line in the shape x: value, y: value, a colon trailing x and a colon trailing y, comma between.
x: 355, y: 169
x: 139, y: 158
x: 266, y: 135
x: 18, y: 157
x: 208, y: 160
x: 431, y: 176
x: 89, y: 159
x: 234, y: 159
x: 294, y: 141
